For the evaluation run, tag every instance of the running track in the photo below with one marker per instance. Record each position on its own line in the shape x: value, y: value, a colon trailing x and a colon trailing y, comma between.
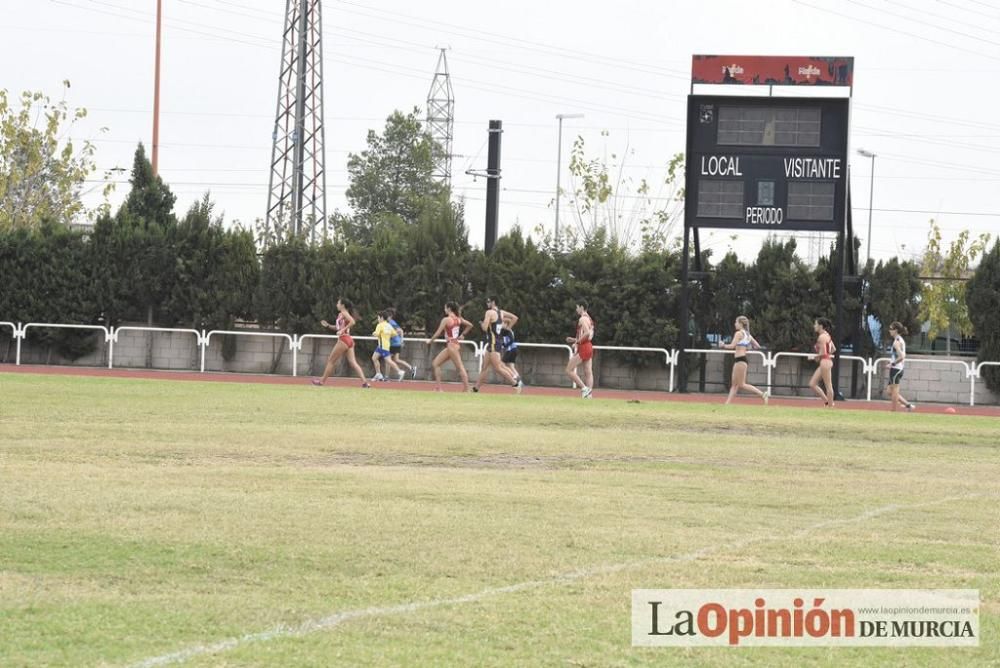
x: 625, y: 395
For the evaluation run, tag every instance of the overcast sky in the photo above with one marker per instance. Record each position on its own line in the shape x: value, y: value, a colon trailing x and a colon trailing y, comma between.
x: 925, y: 94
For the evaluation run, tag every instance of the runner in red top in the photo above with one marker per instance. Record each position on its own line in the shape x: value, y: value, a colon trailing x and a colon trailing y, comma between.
x: 344, y: 345
x: 824, y: 356
x: 583, y: 354
x: 454, y: 327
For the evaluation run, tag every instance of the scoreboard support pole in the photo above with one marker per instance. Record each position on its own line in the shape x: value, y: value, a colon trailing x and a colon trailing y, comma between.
x: 838, y: 324
x: 684, y: 318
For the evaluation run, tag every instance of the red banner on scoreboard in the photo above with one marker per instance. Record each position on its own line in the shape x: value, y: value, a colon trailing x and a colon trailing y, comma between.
x: 772, y: 70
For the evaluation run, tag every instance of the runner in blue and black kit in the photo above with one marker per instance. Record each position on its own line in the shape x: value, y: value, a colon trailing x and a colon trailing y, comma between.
x: 508, y: 354
x: 396, y: 347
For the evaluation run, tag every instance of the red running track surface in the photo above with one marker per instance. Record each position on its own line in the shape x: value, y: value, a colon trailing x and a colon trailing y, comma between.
x: 424, y: 386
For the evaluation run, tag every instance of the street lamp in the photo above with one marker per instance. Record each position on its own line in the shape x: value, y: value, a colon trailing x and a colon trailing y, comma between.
x: 871, y: 194
x: 560, y: 118
x: 156, y: 92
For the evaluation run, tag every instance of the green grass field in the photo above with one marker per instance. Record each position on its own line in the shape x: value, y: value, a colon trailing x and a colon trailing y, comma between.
x: 144, y: 518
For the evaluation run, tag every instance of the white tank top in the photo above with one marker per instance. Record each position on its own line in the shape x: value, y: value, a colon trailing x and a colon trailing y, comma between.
x: 902, y: 349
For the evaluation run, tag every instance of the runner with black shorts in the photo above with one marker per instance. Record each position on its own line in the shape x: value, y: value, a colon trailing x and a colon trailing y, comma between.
x: 898, y: 357
x: 493, y: 325
x: 509, y: 355
x: 741, y: 343
x: 396, y: 347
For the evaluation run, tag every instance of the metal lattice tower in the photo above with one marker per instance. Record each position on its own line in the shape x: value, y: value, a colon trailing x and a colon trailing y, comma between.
x: 297, y: 191
x: 441, y: 117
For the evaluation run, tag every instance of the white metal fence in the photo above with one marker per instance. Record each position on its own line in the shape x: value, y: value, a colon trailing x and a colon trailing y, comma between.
x: 115, y: 331
x: 671, y: 357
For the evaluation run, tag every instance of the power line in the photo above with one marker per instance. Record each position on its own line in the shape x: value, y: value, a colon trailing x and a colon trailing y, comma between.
x: 220, y: 170
x: 259, y: 38
x: 505, y: 40
x: 260, y: 41
x: 995, y: 17
x: 919, y: 115
x: 937, y: 142
x: 895, y: 30
x: 538, y: 72
x: 985, y: 214
x: 937, y: 163
x: 940, y: 16
x: 562, y: 76
x: 613, y: 110
x: 507, y: 90
x: 261, y: 14
x: 924, y: 23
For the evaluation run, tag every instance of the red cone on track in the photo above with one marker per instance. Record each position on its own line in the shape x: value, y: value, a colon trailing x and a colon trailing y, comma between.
x: 950, y: 410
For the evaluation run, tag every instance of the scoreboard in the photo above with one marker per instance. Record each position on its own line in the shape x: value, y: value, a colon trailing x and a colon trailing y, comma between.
x: 766, y: 163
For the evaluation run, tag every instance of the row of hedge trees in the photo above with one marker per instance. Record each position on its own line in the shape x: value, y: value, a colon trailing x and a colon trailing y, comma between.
x: 196, y: 273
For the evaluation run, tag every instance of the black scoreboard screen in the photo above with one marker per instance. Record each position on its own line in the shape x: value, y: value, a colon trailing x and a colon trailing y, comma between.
x: 767, y: 163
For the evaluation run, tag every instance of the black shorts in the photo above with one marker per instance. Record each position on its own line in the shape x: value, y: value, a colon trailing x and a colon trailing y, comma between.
x: 895, y: 376
x: 741, y: 359
x: 509, y: 356
x: 395, y: 350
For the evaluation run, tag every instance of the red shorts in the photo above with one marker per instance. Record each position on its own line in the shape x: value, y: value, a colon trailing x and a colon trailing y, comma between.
x: 347, y: 340
x: 585, y: 350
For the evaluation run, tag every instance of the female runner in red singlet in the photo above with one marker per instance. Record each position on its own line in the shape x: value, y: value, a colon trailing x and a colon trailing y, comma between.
x: 454, y: 327
x: 584, y: 352
x: 824, y: 356
x: 344, y: 345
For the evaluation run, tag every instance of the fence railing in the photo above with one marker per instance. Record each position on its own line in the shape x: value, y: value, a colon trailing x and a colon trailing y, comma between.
x: 207, y: 340
x: 115, y: 331
x: 54, y: 325
x: 671, y: 357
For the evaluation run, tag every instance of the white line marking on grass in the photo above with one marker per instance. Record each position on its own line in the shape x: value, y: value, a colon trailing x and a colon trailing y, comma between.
x: 336, y: 619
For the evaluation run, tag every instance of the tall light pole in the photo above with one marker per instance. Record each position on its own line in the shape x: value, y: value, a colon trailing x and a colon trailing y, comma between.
x: 871, y: 196
x: 560, y: 118
x: 156, y: 92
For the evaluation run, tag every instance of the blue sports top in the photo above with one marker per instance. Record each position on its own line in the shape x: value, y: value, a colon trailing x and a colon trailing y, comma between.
x: 507, y: 341
x: 396, y: 339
